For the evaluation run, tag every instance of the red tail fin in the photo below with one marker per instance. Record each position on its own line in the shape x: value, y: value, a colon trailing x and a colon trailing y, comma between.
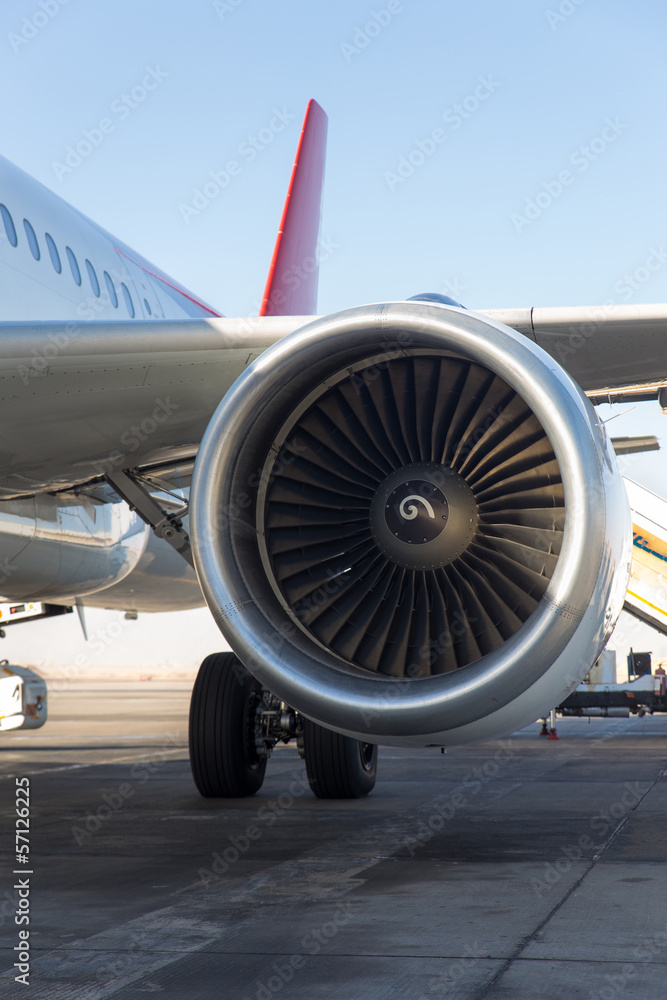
x: 291, y: 287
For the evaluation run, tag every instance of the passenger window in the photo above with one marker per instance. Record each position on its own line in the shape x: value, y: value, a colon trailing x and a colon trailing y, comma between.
x: 73, y: 265
x: 148, y: 308
x: 94, y: 283
x: 10, y: 228
x: 128, y: 299
x: 32, y: 239
x: 112, y: 290
x: 53, y: 253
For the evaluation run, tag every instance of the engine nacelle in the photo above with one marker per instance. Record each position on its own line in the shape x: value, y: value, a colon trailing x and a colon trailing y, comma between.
x: 408, y: 523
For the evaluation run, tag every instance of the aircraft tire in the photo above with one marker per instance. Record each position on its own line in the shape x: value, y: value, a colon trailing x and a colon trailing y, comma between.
x: 222, y: 751
x: 338, y: 767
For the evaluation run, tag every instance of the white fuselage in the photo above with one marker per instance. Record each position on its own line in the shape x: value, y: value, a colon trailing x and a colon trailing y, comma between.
x: 34, y: 289
x: 56, y: 264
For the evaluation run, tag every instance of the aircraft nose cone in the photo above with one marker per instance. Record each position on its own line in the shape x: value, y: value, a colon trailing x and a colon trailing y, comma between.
x: 423, y: 516
x: 416, y: 511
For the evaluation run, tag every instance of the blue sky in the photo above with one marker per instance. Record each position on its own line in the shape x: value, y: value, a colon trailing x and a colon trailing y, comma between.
x: 521, y: 92
x: 226, y: 68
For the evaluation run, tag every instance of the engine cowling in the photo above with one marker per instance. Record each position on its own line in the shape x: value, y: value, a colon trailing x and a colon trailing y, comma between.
x: 408, y: 523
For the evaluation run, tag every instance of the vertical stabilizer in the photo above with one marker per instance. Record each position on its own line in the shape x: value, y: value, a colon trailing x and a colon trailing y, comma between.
x: 291, y: 287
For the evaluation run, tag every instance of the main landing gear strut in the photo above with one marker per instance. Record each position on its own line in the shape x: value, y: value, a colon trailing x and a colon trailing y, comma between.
x: 235, y: 724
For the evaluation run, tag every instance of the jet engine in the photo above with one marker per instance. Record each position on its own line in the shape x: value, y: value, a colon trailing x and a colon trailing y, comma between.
x: 408, y: 523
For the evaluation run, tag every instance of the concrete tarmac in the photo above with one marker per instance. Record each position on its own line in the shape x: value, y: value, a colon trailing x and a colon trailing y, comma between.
x: 527, y: 868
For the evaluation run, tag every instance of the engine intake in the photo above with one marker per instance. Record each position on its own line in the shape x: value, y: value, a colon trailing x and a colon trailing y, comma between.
x: 408, y: 524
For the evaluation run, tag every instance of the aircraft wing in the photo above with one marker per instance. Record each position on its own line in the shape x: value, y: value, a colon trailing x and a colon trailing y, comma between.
x: 606, y: 348
x: 81, y: 400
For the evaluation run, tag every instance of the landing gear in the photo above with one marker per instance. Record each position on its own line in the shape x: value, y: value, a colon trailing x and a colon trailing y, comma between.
x: 338, y: 767
x: 223, y: 712
x: 235, y: 724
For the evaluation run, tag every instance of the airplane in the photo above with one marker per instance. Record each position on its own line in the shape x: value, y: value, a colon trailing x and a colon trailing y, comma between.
x: 406, y: 518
